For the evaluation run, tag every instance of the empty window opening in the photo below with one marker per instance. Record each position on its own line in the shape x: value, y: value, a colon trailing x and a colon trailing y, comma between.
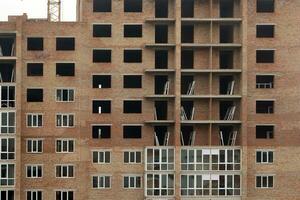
x: 187, y: 110
x: 161, y: 59
x: 7, y: 72
x: 264, y: 5
x: 132, y: 106
x: 265, y: 31
x: 264, y: 107
x: 265, y: 81
x: 264, y: 132
x: 161, y: 8
x: 226, y: 33
x: 187, y: 85
x: 161, y: 136
x: 226, y: 85
x: 7, y: 194
x: 227, y: 135
x: 101, y: 56
x: 187, y: 8
x: 133, y: 5
x: 35, y: 44
x: 226, y: 59
x: 161, y: 33
x: 226, y: 8
x: 132, y: 132
x: 187, y: 33
x: 65, y: 44
x: 265, y: 56
x: 161, y: 85
x: 65, y: 69
x: 34, y: 95
x: 101, y: 5
x: 161, y: 110
x: 132, y: 81
x: 101, y: 106
x: 101, y: 81
x: 101, y: 131
x: 187, y: 135
x: 227, y: 110
x: 133, y: 30
x: 34, y: 69
x: 132, y: 56
x: 7, y: 46
x: 187, y: 59
x: 7, y: 94
x: 102, y: 30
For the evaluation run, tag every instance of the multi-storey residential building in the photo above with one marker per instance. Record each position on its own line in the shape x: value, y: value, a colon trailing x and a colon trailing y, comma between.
x: 152, y: 99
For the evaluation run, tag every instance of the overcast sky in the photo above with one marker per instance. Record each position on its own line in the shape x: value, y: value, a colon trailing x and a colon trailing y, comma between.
x: 35, y: 9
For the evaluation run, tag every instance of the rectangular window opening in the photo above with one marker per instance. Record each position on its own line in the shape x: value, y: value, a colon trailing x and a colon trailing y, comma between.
x: 132, y: 56
x: 101, y: 30
x: 65, y: 44
x: 34, y: 69
x: 101, y: 131
x: 101, y: 56
x: 7, y: 72
x: 226, y: 59
x: 265, y: 107
x: 264, y: 132
x: 264, y: 81
x: 101, y: 106
x: 101, y: 81
x: 132, y: 106
x: 161, y: 33
x: 132, y: 132
x: 65, y: 69
x: 34, y: 95
x: 265, y: 56
x: 265, y: 31
x: 187, y: 59
x: 187, y: 33
x: 227, y: 8
x: 161, y: 8
x: 132, y: 81
x: 187, y: 8
x: 7, y: 45
x: 161, y: 110
x: 161, y: 85
x: 35, y: 44
x: 133, y: 5
x: 161, y: 59
x: 264, y: 6
x: 101, y: 5
x: 133, y: 30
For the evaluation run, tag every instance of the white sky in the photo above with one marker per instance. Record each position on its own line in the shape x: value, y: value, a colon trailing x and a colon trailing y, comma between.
x: 35, y: 9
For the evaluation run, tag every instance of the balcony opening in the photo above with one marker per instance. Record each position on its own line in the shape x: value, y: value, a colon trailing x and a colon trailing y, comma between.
x: 227, y: 110
x: 226, y: 8
x: 7, y: 45
x: 34, y: 69
x: 187, y: 33
x: 101, y: 106
x: 265, y: 107
x: 264, y: 132
x: 187, y: 135
x: 161, y: 110
x: 264, y: 6
x: 161, y: 85
x: 101, y: 131
x: 161, y: 33
x: 132, y: 56
x: 102, y: 30
x: 187, y: 110
x: 132, y: 81
x: 161, y: 59
x: 132, y: 132
x: 226, y: 85
x: 226, y: 59
x: 35, y: 44
x: 227, y: 136
x: 7, y: 95
x: 265, y: 56
x: 133, y: 30
x: 65, y: 69
x: 133, y: 6
x: 7, y: 72
x: 101, y: 56
x: 187, y: 85
x: 265, y: 31
x: 187, y: 59
x: 161, y: 8
x: 35, y: 95
x: 65, y: 44
x: 101, y: 81
x: 226, y: 33
x: 264, y: 81
x: 187, y: 8
x: 132, y: 106
x: 161, y: 136
x: 102, y: 6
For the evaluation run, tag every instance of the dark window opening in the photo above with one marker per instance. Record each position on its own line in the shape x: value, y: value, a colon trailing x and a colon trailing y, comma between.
x: 35, y: 44
x: 101, y: 5
x: 161, y: 33
x: 161, y: 8
x: 226, y: 85
x: 101, y: 132
x: 132, y: 106
x: 132, y: 132
x: 102, y: 30
x: 264, y: 81
x: 264, y: 107
x: 187, y: 8
x: 264, y: 56
x: 133, y: 30
x: 101, y: 106
x: 161, y: 59
x: 227, y: 110
x: 226, y: 135
x: 226, y: 34
x: 161, y: 110
x: 7, y: 72
x: 226, y: 59
x: 7, y: 97
x: 132, y: 56
x: 265, y: 31
x: 186, y: 84
x: 160, y: 84
x: 161, y: 135
x: 65, y: 44
x: 187, y: 59
x: 226, y: 8
x: 7, y: 195
x: 101, y: 56
x: 264, y: 5
x: 133, y: 5
x: 34, y: 69
x: 34, y: 95
x: 264, y: 132
x: 65, y: 69
x: 187, y: 33
x: 7, y: 46
x: 101, y: 81
x: 187, y: 110
x: 132, y: 81
x: 187, y: 135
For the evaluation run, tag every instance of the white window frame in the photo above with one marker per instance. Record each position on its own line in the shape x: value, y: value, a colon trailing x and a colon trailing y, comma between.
x: 60, y: 123
x: 204, y: 178
x: 62, y: 90
x: 67, y: 194
x: 262, y: 176
x: 63, y: 167
x: 34, y: 119
x: 7, y: 178
x: 132, y: 181
x: 6, y: 192
x: 34, y: 145
x: 5, y: 103
x: 170, y: 191
x: 34, y: 168
x: 266, y: 152
x: 7, y: 151
x: 101, y: 156
x: 64, y: 145
x: 132, y: 156
x: 101, y: 181
x: 34, y: 194
x: 8, y: 124
x: 161, y: 164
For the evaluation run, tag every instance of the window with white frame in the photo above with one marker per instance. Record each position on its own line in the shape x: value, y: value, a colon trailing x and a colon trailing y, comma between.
x: 7, y: 148
x: 102, y: 156
x: 64, y: 171
x: 34, y: 120
x: 101, y: 182
x: 64, y: 95
x: 132, y: 181
x: 195, y: 159
x: 34, y: 171
x: 7, y: 122
x: 64, y: 195
x: 159, y: 184
x: 65, y: 120
x: 7, y: 96
x: 160, y: 159
x: 34, y: 146
x: 225, y: 185
x: 7, y: 194
x: 34, y: 195
x: 7, y: 174
x: 195, y: 185
x: 264, y: 156
x: 264, y: 181
x: 132, y: 157
x: 65, y: 145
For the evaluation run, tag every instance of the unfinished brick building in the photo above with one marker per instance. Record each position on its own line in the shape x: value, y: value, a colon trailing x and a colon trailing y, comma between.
x: 152, y: 99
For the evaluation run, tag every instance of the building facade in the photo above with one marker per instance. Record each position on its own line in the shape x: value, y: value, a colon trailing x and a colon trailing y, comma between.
x: 152, y: 99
